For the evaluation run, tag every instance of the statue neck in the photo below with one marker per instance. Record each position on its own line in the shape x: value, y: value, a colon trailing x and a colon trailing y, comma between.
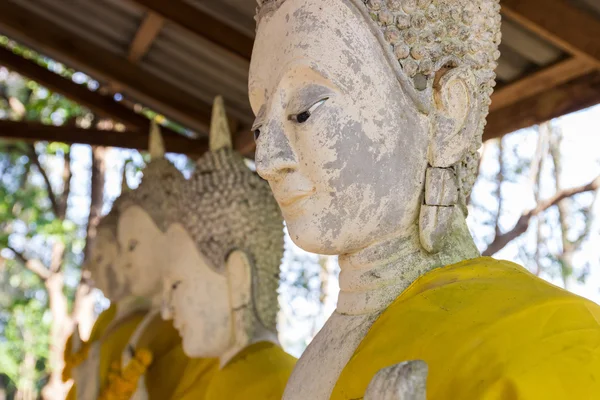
x: 242, y: 340
x: 132, y: 304
x: 373, y: 277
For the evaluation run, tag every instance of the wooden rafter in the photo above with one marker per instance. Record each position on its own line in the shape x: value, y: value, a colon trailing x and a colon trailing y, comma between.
x: 31, y: 132
x: 103, y: 106
x: 78, y: 52
x: 567, y: 27
x: 539, y: 82
x: 202, y: 24
x: 569, y: 97
x: 145, y: 35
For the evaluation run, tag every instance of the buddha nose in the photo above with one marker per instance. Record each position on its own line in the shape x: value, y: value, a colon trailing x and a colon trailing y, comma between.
x: 274, y: 155
x: 166, y: 311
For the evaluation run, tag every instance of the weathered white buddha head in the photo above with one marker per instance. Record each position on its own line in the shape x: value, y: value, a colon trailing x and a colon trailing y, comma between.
x: 142, y: 217
x: 355, y: 100
x: 221, y: 285
x: 103, y: 263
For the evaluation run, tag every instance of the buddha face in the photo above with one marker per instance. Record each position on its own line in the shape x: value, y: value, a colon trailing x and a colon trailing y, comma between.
x: 103, y: 266
x: 196, y: 298
x: 343, y: 147
x: 143, y: 251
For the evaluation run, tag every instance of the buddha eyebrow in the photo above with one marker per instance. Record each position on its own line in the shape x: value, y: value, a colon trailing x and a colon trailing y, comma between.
x: 306, y: 96
x: 260, y: 114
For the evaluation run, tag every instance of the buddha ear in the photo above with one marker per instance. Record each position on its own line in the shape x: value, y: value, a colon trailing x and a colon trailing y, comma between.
x: 454, y: 123
x: 239, y: 274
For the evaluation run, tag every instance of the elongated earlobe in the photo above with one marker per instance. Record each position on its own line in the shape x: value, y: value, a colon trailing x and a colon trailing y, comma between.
x: 239, y: 274
x: 441, y: 198
x: 453, y: 126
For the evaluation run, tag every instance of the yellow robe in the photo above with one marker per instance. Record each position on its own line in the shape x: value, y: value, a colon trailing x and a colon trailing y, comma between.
x: 170, y: 373
x: 488, y: 330
x: 259, y: 372
x: 113, y: 340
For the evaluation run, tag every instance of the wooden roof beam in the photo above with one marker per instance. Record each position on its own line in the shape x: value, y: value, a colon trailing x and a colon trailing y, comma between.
x: 103, y: 106
x: 148, y: 31
x: 202, y: 24
x: 32, y: 132
x: 580, y: 93
x: 539, y: 82
x: 62, y: 45
x: 567, y: 27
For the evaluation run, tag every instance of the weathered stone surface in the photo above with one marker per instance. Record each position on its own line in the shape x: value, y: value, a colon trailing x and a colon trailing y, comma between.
x: 226, y: 245
x: 440, y: 187
x: 404, y: 381
x: 385, y: 89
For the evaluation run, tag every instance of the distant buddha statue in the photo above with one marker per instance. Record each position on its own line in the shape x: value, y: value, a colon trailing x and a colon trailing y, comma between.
x: 369, y: 115
x: 89, y: 363
x: 152, y: 364
x: 221, y: 285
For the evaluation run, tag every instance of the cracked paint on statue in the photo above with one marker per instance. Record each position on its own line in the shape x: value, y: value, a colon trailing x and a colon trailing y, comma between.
x: 349, y: 119
x: 362, y: 180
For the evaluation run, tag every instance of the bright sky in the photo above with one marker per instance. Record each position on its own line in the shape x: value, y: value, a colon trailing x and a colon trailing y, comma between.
x: 581, y: 164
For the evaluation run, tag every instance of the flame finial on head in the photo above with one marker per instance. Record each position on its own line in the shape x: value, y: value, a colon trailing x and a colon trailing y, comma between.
x: 156, y: 146
x: 220, y: 135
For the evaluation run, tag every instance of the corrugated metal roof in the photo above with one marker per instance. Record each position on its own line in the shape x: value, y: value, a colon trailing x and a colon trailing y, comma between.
x: 522, y: 52
x: 239, y: 14
x: 103, y: 22
x: 204, y: 70
x: 201, y: 68
x: 591, y: 5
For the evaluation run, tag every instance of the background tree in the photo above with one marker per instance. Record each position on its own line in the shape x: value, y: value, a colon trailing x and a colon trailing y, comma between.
x: 554, y: 219
x: 43, y: 240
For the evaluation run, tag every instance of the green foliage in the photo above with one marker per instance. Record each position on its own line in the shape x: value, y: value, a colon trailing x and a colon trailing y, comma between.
x: 29, y: 224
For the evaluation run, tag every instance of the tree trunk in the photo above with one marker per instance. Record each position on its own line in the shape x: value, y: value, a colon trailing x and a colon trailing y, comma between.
x: 83, y: 309
x: 26, y: 384
x: 96, y: 195
x: 61, y: 326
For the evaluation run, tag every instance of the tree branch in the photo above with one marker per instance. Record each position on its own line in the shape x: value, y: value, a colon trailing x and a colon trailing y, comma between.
x: 34, y: 266
x: 25, y: 175
x: 64, y: 197
x: 500, y: 181
x: 523, y: 222
x: 36, y: 160
x: 96, y: 196
x: 589, y: 222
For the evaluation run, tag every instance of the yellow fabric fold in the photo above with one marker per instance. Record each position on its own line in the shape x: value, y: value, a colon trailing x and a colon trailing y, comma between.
x: 488, y: 330
x: 113, y: 340
x: 260, y: 371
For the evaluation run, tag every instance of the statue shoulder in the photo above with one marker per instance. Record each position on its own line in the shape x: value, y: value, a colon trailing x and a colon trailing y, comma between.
x: 261, y: 371
x: 512, y: 318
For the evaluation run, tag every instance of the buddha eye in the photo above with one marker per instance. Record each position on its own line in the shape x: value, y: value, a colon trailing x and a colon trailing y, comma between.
x: 302, y: 117
x: 132, y: 244
x: 305, y: 115
x: 256, y: 132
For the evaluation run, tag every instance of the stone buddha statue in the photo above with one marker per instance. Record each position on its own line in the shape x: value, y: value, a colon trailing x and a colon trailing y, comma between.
x: 89, y: 363
x: 152, y: 364
x: 221, y: 285
x: 137, y: 354
x: 369, y: 115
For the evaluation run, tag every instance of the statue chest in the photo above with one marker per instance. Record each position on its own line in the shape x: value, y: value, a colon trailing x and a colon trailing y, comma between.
x: 485, y: 328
